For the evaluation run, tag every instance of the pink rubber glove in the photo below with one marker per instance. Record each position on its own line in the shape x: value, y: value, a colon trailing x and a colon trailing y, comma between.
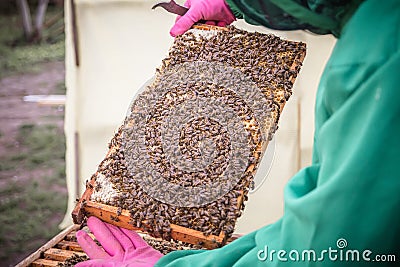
x: 215, y: 12
x: 121, y: 247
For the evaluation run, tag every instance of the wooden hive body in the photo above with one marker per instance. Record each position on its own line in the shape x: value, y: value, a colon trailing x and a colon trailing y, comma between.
x: 64, y: 250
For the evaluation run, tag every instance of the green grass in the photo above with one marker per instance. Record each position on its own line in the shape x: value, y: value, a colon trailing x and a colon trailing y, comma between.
x: 27, y: 208
x: 17, y: 56
x: 45, y: 148
x: 24, y: 216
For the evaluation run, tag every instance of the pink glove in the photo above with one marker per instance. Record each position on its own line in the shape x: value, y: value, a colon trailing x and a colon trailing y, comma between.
x: 209, y: 10
x: 121, y: 247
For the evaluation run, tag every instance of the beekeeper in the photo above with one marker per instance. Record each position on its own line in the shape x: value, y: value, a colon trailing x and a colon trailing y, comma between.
x: 343, y: 209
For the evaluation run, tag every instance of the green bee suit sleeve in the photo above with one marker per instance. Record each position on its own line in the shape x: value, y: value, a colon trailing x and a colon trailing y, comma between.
x: 348, y: 198
x: 318, y: 16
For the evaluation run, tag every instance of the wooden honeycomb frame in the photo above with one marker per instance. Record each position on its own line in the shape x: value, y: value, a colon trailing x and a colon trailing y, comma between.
x: 114, y: 215
x: 110, y: 214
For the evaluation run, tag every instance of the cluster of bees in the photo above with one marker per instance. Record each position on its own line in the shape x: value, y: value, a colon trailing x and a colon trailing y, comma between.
x: 190, y: 145
x: 162, y: 246
x: 73, y: 260
x: 166, y: 247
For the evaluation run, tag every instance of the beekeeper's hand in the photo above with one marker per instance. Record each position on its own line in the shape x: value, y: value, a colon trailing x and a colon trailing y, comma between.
x: 215, y: 12
x: 121, y: 247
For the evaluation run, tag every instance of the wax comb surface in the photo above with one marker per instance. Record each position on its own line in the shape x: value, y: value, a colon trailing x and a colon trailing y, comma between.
x: 181, y: 164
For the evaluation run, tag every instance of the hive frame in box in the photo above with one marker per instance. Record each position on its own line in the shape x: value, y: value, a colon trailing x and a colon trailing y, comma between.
x: 122, y: 218
x: 63, y: 246
x: 57, y: 250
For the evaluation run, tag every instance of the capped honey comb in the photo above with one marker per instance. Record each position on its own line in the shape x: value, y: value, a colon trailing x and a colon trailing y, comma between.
x: 181, y: 164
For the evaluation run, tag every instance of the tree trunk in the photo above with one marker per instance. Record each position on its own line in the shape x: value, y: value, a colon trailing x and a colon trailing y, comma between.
x: 40, y: 14
x: 26, y: 18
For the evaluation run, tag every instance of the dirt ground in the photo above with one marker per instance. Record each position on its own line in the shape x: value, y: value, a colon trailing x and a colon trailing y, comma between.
x: 14, y: 112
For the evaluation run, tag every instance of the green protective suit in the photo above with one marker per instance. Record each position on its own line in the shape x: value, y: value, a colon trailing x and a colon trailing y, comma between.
x: 351, y: 191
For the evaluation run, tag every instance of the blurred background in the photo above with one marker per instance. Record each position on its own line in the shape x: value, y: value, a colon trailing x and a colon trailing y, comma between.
x: 68, y: 72
x: 33, y: 194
